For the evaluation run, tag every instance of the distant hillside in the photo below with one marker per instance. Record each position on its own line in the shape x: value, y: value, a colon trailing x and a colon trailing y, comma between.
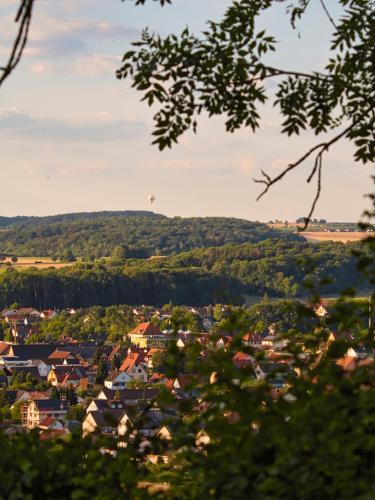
x: 72, y: 217
x: 141, y: 233
x: 205, y: 276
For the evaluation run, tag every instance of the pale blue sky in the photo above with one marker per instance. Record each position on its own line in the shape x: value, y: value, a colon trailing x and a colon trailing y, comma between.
x: 74, y: 138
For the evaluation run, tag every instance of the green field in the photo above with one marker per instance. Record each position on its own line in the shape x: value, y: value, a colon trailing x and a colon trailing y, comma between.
x: 37, y: 262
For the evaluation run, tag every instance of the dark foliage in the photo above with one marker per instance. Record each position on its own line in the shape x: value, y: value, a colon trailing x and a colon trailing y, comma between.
x: 215, y: 275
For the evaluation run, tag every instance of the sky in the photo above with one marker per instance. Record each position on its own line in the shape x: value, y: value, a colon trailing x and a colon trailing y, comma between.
x: 74, y: 138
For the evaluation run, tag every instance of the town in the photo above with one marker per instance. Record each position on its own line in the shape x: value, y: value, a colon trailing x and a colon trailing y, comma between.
x: 94, y: 385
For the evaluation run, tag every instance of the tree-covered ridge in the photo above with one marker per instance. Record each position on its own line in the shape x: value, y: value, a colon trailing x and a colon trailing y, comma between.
x: 94, y: 235
x: 71, y: 217
x: 273, y: 266
x: 204, y: 276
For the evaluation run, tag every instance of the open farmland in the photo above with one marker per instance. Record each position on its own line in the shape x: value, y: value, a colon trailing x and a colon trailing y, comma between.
x: 38, y: 262
x: 338, y: 236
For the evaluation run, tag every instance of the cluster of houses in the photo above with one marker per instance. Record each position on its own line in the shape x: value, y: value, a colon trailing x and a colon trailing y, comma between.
x: 126, y: 397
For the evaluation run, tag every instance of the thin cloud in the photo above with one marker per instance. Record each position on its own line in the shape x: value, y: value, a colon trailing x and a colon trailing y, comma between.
x: 94, y: 65
x: 17, y: 124
x: 56, y: 37
x: 52, y: 37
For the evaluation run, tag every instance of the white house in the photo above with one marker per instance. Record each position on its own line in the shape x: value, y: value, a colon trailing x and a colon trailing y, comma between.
x: 117, y: 381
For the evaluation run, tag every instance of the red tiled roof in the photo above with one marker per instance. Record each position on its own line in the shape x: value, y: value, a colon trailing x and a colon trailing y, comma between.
x: 153, y: 351
x: 157, y: 377
x: 47, y: 421
x: 132, y: 359
x: 4, y: 346
x: 60, y: 354
x: 242, y: 360
x: 146, y: 329
x: 114, y: 351
x: 39, y: 395
x: 350, y: 363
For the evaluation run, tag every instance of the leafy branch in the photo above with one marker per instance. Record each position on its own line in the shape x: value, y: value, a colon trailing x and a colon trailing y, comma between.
x: 222, y: 72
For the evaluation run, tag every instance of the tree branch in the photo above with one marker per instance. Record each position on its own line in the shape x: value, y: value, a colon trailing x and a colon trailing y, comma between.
x: 328, y: 14
x: 23, y: 17
x: 321, y: 148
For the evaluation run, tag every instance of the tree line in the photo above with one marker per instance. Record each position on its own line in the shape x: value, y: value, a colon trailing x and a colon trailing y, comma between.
x: 203, y: 276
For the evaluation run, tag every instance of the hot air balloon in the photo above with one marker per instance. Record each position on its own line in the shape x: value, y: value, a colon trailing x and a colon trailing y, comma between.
x: 151, y: 198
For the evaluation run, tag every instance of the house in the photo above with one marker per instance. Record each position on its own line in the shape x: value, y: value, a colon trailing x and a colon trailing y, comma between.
x: 59, y: 356
x: 242, y: 360
x: 185, y: 385
x: 320, y: 311
x: 66, y: 375
x: 15, y: 397
x: 360, y: 352
x: 147, y: 335
x: 117, y: 380
x: 134, y: 365
x: 103, y: 421
x: 124, y: 424
x: 269, y: 342
x: 50, y: 423
x: 128, y: 396
x: 29, y: 312
x: 165, y: 432
x: 351, y: 363
x: 147, y: 423
x: 104, y: 404
x: 275, y: 373
x: 48, y: 314
x: 30, y: 352
x: 220, y: 344
x: 252, y: 340
x: 84, y: 353
x: 22, y: 372
x: 35, y: 411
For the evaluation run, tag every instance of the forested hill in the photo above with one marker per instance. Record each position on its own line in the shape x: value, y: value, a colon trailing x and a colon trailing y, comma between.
x: 205, y: 276
x: 141, y: 234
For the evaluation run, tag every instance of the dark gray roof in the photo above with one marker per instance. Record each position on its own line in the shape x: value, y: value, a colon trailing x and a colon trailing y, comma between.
x: 50, y: 404
x: 107, y: 417
x: 131, y: 394
x: 33, y: 370
x: 101, y: 404
x: 84, y: 352
x: 32, y: 351
x: 270, y: 367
